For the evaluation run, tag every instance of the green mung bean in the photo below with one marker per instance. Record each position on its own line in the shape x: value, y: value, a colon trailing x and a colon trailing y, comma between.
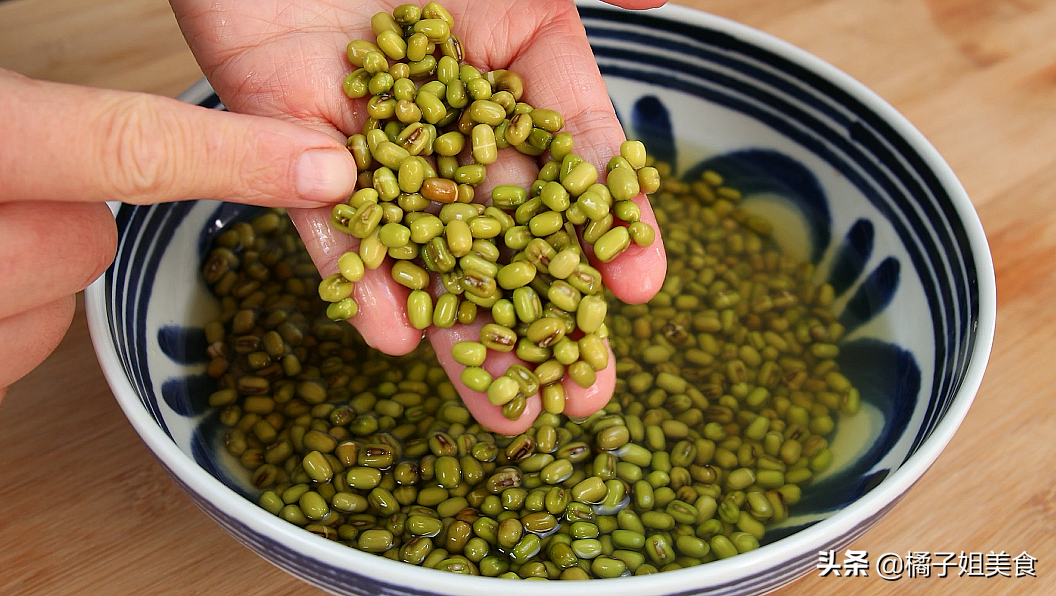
x: 420, y: 309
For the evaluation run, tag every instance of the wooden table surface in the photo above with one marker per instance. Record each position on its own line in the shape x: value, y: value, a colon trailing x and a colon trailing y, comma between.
x: 84, y: 508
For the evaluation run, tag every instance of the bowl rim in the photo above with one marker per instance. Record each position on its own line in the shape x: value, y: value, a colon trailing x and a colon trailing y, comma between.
x: 847, y: 521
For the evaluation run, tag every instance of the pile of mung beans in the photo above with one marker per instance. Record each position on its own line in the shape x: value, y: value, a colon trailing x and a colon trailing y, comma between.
x: 434, y: 126
x: 727, y: 384
x: 726, y: 392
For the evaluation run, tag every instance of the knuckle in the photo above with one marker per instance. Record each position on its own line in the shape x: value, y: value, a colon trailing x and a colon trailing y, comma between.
x: 139, y: 143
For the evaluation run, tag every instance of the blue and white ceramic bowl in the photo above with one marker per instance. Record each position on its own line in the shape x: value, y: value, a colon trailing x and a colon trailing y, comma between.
x: 855, y: 189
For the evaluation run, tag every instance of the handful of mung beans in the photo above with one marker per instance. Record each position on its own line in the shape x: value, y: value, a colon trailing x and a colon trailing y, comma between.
x: 435, y: 125
x: 727, y: 389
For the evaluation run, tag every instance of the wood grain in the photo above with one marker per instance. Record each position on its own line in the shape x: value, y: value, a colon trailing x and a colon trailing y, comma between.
x: 84, y: 508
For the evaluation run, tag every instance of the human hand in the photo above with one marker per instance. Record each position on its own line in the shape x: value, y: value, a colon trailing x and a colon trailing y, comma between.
x: 287, y: 60
x: 66, y: 150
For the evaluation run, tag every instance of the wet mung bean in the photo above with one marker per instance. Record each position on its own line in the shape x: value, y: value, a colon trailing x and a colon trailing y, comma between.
x: 697, y: 452
x: 727, y: 392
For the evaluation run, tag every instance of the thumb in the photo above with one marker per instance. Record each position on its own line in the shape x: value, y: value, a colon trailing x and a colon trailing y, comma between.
x: 83, y: 144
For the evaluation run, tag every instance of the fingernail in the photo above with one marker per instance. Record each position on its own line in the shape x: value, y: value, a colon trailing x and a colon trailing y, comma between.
x: 325, y: 175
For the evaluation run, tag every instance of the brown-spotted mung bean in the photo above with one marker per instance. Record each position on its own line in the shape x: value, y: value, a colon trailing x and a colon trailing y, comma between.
x: 704, y: 424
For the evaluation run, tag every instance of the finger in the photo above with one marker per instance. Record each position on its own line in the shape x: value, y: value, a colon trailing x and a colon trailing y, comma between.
x: 51, y: 250
x: 82, y: 144
x: 27, y: 338
x: 560, y: 73
x: 382, y: 318
x: 584, y: 401
x: 580, y: 401
x: 636, y: 274
x: 483, y: 411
